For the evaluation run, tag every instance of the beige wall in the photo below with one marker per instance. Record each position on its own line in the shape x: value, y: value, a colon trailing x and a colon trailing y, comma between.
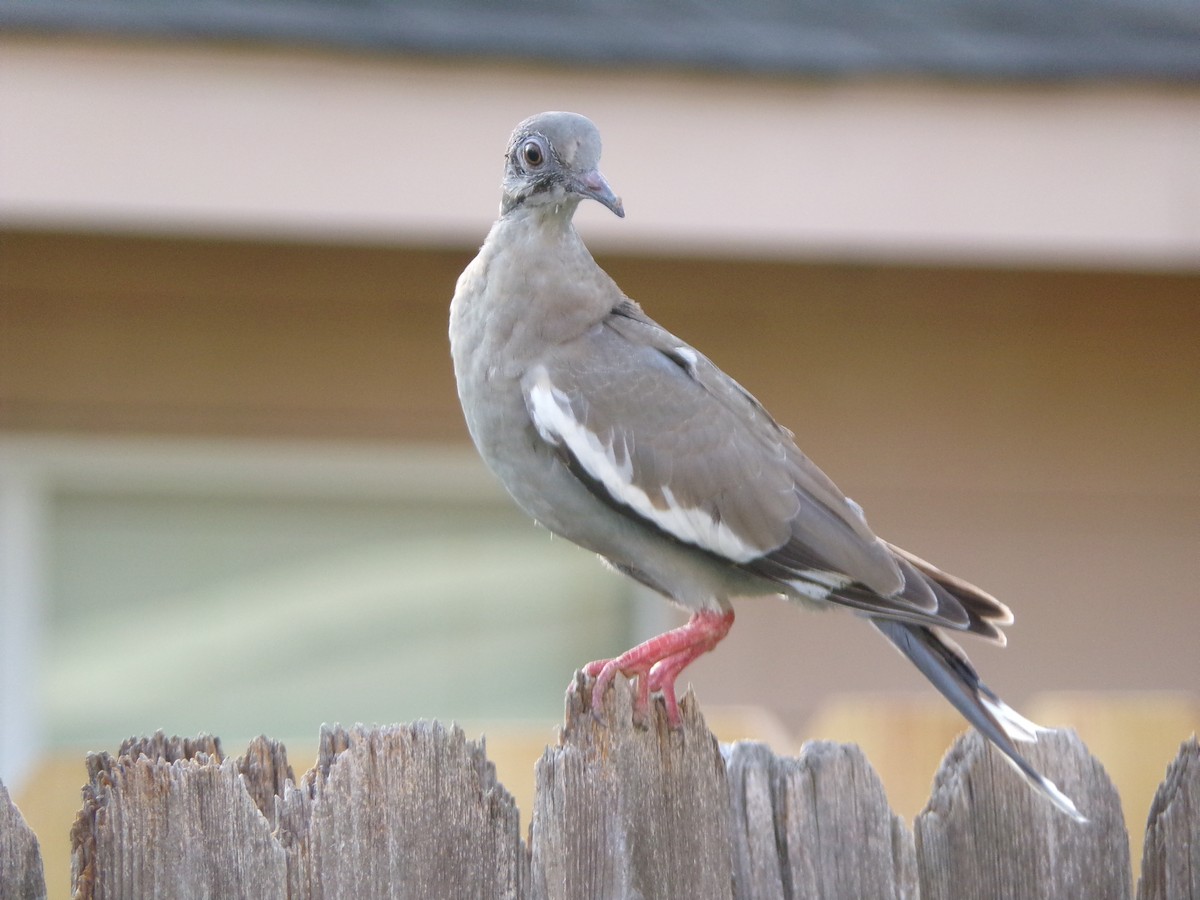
x: 1036, y: 431
x: 203, y: 138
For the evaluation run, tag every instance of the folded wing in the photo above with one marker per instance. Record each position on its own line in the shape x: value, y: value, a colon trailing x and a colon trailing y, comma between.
x: 699, y: 459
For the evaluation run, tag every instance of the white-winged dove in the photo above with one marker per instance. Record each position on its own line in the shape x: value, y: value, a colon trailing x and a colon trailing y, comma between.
x: 612, y: 432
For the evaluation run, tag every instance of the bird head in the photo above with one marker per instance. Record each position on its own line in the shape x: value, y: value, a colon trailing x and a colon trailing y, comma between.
x: 552, y: 161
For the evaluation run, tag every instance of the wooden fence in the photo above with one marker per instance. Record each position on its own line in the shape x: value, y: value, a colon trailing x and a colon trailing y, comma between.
x: 415, y: 811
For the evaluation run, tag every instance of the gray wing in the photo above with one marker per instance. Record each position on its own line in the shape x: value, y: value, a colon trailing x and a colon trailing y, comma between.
x: 653, y: 426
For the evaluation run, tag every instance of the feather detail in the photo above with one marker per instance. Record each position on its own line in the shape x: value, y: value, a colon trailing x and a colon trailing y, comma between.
x: 949, y: 671
x: 552, y: 416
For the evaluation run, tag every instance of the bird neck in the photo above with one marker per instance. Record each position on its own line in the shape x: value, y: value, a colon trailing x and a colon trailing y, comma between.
x: 540, y: 228
x: 540, y: 211
x: 539, y: 248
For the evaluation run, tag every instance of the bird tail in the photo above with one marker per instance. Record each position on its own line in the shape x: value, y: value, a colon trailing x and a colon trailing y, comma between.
x: 949, y: 671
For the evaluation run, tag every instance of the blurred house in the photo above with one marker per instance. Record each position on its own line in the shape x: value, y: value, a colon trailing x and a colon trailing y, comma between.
x: 954, y: 246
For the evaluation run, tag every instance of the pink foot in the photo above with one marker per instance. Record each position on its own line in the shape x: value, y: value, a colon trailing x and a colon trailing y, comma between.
x: 657, y: 662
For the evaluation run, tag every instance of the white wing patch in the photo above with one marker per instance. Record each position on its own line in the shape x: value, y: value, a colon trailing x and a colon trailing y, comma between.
x: 687, y: 354
x: 688, y: 357
x: 858, y: 510
x: 551, y: 412
x: 818, y: 584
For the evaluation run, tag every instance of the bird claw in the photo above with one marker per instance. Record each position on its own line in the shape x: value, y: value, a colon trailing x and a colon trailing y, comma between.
x: 603, y: 672
x: 655, y: 665
x: 647, y: 683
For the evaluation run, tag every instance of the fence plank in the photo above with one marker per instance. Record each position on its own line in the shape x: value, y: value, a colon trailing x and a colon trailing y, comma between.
x: 623, y: 811
x: 402, y: 811
x: 21, y: 874
x: 986, y: 835
x: 265, y: 770
x: 167, y: 818
x: 1171, y: 853
x: 817, y: 825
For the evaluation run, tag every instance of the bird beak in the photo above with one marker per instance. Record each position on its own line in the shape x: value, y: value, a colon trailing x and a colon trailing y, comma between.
x: 593, y: 185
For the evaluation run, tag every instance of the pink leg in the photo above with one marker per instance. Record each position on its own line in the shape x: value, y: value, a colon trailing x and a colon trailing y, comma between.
x: 657, y: 663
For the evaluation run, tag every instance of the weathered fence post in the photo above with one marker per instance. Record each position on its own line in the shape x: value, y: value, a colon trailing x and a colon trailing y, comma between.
x: 402, y: 811
x: 1171, y: 853
x: 623, y: 811
x: 171, y: 817
x: 406, y: 811
x: 818, y: 825
x: 986, y: 835
x: 21, y: 875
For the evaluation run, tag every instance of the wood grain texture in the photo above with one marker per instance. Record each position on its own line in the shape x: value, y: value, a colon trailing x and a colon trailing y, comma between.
x: 402, y: 811
x: 1171, y: 852
x: 624, y: 811
x: 21, y: 875
x: 985, y: 835
x: 168, y: 818
x: 266, y: 773
x: 406, y: 811
x: 817, y: 825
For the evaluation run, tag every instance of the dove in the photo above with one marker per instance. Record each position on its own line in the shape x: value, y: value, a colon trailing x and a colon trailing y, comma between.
x: 610, y: 431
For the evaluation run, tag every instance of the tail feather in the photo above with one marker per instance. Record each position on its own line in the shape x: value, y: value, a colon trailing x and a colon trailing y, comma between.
x: 932, y: 598
x: 987, y: 614
x: 948, y: 670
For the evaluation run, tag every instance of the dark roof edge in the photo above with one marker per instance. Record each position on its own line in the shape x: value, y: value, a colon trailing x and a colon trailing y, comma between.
x: 1163, y: 49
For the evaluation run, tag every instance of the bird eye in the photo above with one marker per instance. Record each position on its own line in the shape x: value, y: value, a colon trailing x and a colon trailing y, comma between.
x: 533, y: 154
